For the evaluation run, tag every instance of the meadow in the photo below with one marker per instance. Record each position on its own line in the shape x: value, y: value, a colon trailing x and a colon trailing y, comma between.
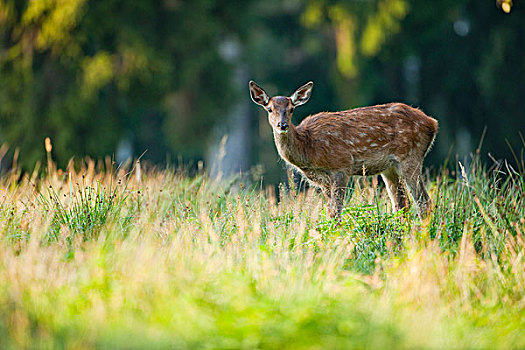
x: 98, y: 257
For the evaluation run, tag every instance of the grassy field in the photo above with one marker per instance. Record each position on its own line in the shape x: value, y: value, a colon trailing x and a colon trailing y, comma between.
x: 100, y: 258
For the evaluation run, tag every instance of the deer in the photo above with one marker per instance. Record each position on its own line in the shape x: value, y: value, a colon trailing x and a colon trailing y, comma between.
x: 328, y: 148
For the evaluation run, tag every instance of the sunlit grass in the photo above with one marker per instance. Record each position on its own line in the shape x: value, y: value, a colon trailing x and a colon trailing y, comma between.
x: 105, y: 258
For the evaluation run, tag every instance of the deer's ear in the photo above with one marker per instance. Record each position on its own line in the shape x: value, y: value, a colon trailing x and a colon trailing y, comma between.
x: 302, y: 95
x: 258, y: 95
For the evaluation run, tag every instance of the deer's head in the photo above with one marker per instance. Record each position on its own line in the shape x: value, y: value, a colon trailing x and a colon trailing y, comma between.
x: 280, y: 108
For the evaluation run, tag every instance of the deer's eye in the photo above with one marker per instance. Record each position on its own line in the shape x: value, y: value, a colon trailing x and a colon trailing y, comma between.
x: 269, y: 110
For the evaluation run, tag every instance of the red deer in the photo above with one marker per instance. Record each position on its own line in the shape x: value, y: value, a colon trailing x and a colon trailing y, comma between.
x: 328, y: 147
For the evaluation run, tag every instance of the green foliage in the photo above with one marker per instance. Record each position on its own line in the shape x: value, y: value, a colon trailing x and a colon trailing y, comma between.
x: 361, y: 29
x: 89, y: 74
x: 376, y: 235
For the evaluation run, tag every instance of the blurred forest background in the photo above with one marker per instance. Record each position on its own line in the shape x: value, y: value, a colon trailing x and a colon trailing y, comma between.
x: 171, y: 76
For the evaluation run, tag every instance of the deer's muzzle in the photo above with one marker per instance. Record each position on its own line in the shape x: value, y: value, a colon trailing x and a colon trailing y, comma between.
x: 282, y: 127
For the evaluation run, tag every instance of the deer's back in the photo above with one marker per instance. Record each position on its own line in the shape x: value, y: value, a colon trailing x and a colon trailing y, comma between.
x: 367, y: 137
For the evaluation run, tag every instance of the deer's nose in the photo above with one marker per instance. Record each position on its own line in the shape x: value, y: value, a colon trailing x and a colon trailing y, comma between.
x: 283, y: 126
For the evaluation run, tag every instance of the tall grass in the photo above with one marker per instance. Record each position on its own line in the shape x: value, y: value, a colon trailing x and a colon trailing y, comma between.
x: 96, y: 258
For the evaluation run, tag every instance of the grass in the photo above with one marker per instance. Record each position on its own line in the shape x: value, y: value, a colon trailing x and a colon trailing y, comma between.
x: 103, y: 258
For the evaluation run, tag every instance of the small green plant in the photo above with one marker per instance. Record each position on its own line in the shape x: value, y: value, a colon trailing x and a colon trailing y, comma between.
x: 82, y: 212
x: 374, y: 234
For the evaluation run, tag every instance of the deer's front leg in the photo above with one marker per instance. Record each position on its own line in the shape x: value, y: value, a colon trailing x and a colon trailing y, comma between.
x: 338, y: 184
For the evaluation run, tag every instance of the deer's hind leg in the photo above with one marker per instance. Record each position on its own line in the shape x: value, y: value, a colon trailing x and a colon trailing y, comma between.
x: 395, y: 188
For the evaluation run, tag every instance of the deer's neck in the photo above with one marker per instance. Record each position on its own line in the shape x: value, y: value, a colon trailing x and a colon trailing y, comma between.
x: 291, y: 146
